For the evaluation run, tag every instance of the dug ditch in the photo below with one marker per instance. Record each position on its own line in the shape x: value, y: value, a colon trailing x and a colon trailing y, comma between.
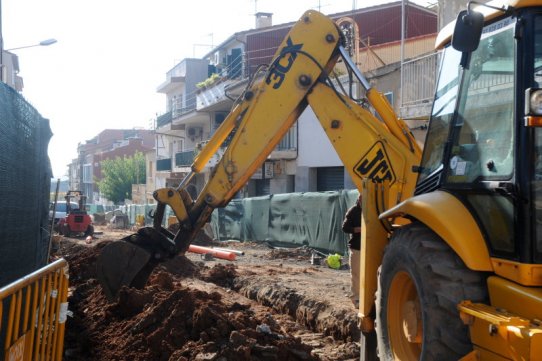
x: 267, y: 305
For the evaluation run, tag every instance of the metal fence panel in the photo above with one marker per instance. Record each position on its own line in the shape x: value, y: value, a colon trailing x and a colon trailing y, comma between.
x: 419, y: 79
x: 33, y: 312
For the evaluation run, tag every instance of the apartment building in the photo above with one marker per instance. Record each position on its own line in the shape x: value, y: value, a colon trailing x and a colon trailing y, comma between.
x: 85, y: 171
x: 9, y: 70
x: 200, y: 93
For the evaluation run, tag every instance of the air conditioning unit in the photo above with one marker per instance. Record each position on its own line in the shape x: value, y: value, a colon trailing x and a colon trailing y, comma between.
x: 194, y: 131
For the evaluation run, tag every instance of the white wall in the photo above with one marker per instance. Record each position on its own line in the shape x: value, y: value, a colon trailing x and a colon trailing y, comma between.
x: 315, y: 149
x: 449, y: 9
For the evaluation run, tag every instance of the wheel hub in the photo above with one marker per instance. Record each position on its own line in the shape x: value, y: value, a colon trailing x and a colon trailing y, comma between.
x: 412, y: 326
x: 404, y: 316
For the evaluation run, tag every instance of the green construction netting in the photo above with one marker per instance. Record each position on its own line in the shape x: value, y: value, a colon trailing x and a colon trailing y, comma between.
x: 25, y: 176
x: 311, y: 219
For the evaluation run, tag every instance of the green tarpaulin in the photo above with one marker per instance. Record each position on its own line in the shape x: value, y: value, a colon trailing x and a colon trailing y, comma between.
x: 312, y: 219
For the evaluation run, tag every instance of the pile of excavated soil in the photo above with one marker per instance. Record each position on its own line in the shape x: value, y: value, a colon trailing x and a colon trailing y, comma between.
x: 285, y: 253
x: 193, y: 310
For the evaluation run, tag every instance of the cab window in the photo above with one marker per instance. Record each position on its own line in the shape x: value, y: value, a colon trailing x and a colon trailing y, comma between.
x: 482, y: 148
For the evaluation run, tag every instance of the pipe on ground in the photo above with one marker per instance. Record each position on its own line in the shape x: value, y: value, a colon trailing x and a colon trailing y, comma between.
x: 215, y: 253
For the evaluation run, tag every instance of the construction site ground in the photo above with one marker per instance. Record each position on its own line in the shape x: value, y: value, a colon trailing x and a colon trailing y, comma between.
x: 268, y: 304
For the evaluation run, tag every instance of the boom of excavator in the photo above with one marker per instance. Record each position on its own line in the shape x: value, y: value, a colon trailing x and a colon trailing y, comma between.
x: 382, y: 150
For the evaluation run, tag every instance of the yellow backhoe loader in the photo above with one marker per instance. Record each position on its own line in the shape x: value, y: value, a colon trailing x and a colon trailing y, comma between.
x: 452, y: 238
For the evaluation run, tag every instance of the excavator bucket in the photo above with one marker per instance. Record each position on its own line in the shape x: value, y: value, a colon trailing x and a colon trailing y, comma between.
x: 122, y: 264
x: 130, y: 261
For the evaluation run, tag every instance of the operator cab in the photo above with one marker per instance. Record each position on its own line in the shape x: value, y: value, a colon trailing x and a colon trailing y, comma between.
x: 484, y: 142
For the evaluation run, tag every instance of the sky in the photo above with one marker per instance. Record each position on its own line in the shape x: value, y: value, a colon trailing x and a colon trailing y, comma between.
x: 111, y: 55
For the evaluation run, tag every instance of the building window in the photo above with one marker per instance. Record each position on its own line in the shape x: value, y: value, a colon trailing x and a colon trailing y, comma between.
x: 389, y: 96
x: 329, y: 179
x: 87, y: 173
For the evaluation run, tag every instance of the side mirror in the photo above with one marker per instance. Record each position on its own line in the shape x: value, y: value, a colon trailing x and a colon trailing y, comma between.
x: 467, y: 31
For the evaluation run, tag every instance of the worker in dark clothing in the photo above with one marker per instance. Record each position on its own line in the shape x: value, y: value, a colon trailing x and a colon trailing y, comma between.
x: 352, y: 225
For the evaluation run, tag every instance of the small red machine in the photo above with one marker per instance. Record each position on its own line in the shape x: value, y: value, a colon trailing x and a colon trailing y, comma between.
x: 77, y: 221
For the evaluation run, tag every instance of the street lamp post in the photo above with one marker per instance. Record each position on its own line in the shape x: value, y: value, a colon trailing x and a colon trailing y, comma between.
x: 1, y: 47
x: 46, y: 42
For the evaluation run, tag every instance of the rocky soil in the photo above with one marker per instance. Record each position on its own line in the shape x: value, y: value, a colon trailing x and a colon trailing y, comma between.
x: 268, y: 304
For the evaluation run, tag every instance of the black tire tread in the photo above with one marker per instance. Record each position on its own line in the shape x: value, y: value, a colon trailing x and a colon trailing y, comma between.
x: 445, y: 281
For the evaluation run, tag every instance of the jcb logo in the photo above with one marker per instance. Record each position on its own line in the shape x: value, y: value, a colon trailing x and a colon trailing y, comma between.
x: 286, y: 59
x: 375, y: 165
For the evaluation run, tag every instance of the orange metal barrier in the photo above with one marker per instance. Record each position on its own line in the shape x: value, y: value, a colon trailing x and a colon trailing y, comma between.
x: 37, y: 309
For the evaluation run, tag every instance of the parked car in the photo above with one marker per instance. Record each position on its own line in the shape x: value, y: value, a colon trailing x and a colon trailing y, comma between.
x: 61, y: 208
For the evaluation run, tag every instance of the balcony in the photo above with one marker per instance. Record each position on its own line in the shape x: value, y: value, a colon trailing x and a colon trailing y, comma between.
x: 174, y: 77
x: 225, y: 84
x: 164, y: 119
x: 184, y: 159
x: 183, y: 105
x: 163, y: 165
x: 172, y: 119
x: 287, y: 147
x: 218, y: 93
x: 419, y: 80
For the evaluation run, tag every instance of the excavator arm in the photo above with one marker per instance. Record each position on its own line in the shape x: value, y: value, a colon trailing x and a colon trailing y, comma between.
x: 379, y: 148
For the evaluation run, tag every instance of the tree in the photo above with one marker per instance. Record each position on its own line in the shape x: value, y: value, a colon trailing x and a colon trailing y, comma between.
x: 118, y: 176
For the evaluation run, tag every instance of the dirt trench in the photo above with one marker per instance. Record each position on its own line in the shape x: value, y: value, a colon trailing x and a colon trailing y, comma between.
x: 267, y: 306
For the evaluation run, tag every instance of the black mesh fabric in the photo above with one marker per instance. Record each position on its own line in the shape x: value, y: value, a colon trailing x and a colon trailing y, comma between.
x: 25, y: 177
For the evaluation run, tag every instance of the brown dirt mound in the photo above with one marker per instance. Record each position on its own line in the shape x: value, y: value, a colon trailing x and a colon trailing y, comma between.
x: 167, y: 320
x: 221, y: 275
x: 300, y: 254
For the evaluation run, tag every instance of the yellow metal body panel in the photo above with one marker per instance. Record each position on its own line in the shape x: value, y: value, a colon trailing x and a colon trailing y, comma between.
x: 505, y: 335
x: 365, y: 145
x: 449, y: 218
x: 172, y: 198
x: 219, y: 136
x: 521, y: 300
x: 522, y: 273
x: 374, y: 240
x: 396, y: 125
x: 273, y: 105
x: 379, y: 162
x: 480, y: 354
x: 382, y: 150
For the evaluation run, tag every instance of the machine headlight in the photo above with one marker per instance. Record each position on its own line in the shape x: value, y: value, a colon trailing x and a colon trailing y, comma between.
x: 533, y: 102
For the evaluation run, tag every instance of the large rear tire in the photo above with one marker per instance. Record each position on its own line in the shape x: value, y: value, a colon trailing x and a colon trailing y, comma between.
x: 421, y: 281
